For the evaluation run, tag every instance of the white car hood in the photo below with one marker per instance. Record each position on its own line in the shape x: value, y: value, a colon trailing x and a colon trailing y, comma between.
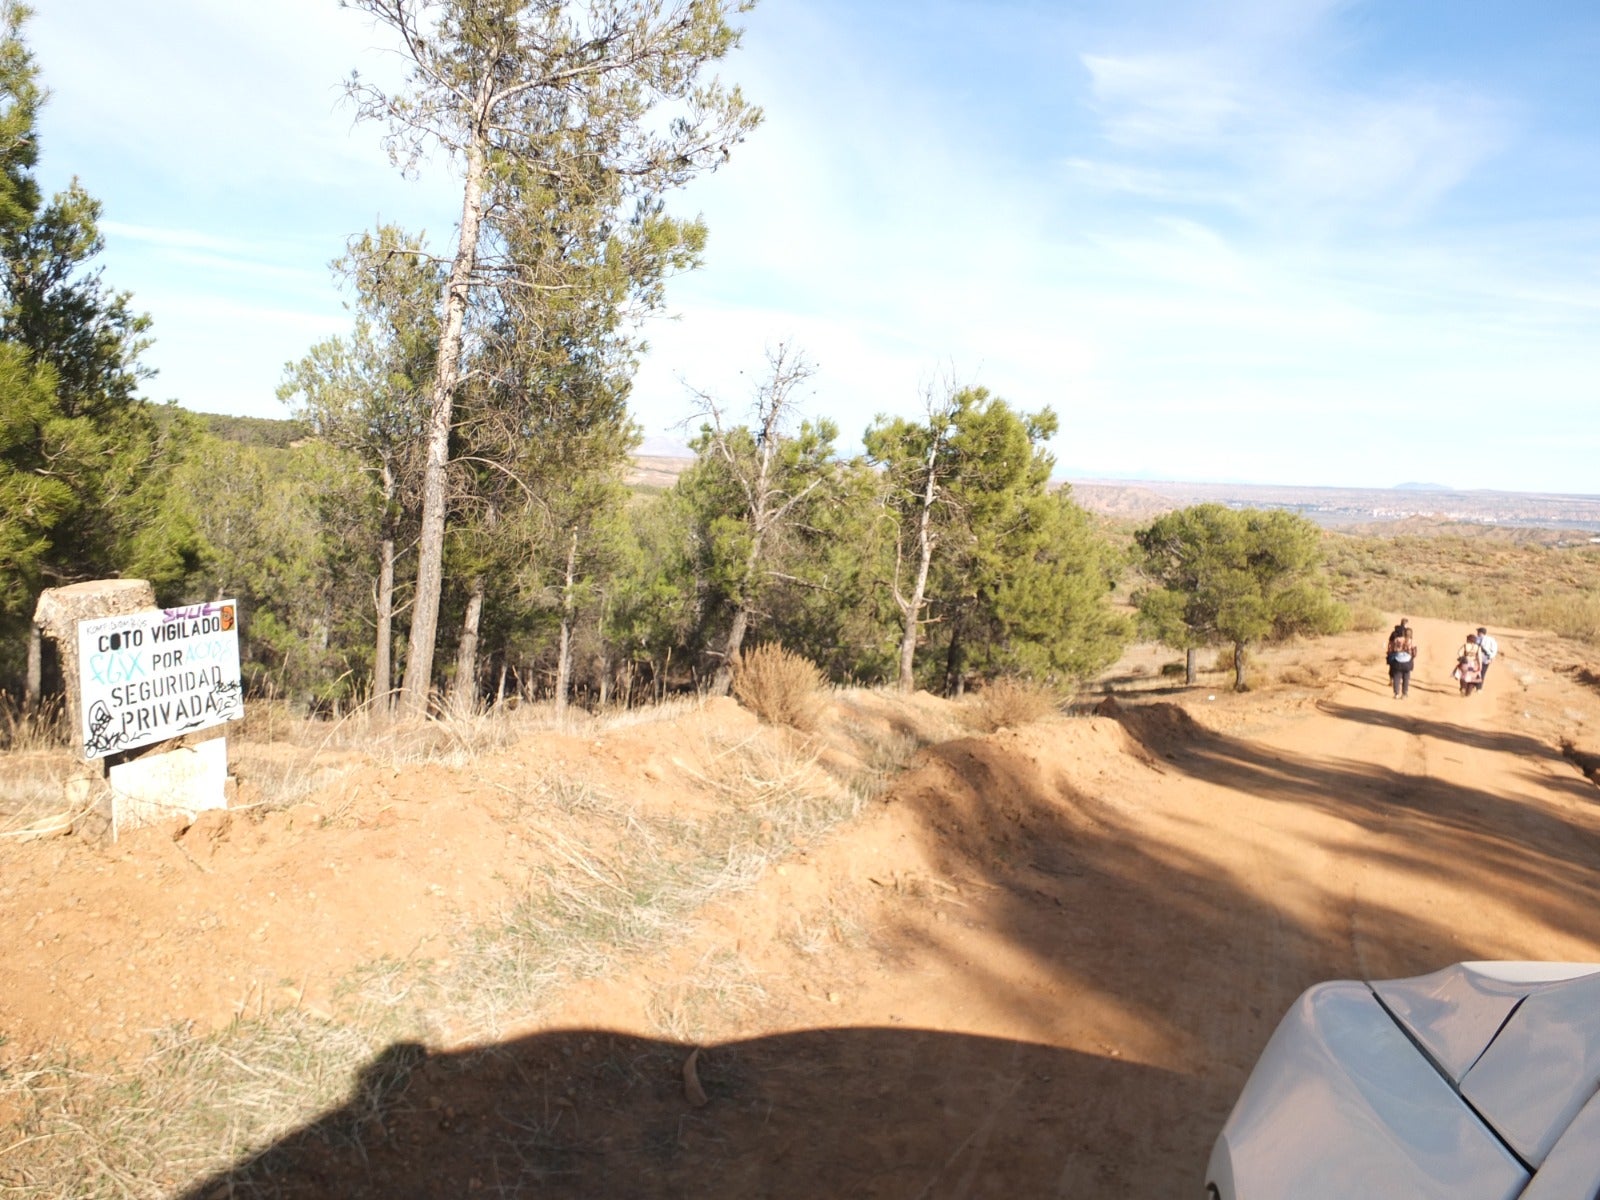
x: 1478, y: 1082
x: 1521, y: 1041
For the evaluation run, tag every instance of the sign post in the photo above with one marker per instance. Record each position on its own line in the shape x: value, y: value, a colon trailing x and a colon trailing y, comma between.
x: 156, y: 674
x: 145, y: 679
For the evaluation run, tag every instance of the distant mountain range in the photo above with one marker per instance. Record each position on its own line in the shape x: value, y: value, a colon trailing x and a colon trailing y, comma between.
x: 660, y: 460
x: 1417, y: 506
x: 1344, y: 507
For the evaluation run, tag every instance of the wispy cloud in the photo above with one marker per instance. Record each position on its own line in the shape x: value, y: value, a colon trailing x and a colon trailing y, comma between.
x: 1206, y: 231
x: 1188, y: 129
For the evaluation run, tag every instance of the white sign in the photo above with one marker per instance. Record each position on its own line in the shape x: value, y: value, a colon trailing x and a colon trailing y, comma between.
x: 154, y: 674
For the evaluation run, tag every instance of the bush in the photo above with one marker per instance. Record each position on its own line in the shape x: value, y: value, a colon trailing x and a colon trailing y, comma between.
x: 780, y: 687
x: 1223, y: 659
x: 1009, y: 702
x: 1364, y: 618
x: 1570, y: 616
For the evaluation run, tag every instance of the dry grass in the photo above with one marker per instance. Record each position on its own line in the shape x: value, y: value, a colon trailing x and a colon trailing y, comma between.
x: 883, y: 756
x: 282, y: 760
x: 1308, y: 674
x: 839, y: 925
x: 674, y: 708
x: 616, y: 883
x: 1008, y: 702
x: 33, y: 791
x: 41, y: 728
x: 712, y: 998
x: 194, y: 1105
x: 780, y: 687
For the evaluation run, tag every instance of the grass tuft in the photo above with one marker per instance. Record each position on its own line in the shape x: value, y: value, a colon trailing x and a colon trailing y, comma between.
x: 780, y: 687
x: 720, y: 989
x: 1009, y: 701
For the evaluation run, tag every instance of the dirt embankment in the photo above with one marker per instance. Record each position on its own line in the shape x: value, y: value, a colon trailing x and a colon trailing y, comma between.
x: 1040, y: 963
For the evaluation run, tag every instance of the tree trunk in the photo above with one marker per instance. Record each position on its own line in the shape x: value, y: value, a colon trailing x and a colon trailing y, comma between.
x: 723, y: 679
x: 564, y: 657
x: 912, y: 607
x: 955, y: 671
x: 383, y: 644
x: 464, y: 692
x: 430, y: 546
x: 34, y: 684
x: 1188, y: 666
x: 1238, y: 667
x: 500, y: 689
x: 383, y: 649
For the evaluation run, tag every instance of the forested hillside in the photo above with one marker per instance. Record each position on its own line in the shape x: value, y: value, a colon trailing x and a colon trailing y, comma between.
x: 463, y: 448
x: 442, y: 519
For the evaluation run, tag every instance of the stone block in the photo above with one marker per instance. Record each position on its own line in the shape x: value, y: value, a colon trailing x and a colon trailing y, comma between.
x: 168, y: 784
x: 60, y: 609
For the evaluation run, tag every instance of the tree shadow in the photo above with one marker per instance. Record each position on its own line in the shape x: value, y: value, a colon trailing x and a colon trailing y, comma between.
x: 1445, y: 731
x: 1542, y: 863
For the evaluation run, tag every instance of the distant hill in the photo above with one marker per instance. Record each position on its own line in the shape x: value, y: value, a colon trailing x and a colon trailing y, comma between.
x: 1423, y: 505
x: 255, y: 431
x: 664, y: 447
x: 657, y: 472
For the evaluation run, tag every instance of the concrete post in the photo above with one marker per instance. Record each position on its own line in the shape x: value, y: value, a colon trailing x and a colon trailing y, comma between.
x: 59, y: 611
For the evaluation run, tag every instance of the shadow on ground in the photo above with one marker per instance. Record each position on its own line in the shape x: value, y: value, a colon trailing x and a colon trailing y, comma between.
x: 828, y: 1113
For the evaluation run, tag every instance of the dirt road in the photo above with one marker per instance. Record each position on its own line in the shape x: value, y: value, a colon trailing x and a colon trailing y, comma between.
x: 1050, y: 959
x: 1041, y: 966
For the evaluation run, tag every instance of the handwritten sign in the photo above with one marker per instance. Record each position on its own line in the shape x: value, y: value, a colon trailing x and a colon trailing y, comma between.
x: 154, y: 674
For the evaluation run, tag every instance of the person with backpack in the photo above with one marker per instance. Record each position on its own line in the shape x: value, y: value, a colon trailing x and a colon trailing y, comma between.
x: 1401, y: 657
x: 1487, y: 649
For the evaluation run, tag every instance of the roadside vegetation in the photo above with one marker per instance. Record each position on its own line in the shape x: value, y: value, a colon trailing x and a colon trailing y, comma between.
x: 1501, y: 581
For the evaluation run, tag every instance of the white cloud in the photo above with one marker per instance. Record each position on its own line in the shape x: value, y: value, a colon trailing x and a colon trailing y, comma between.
x: 1165, y: 100
x: 1214, y: 242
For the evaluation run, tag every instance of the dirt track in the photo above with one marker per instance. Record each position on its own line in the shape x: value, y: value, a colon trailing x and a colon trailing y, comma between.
x: 1044, y: 966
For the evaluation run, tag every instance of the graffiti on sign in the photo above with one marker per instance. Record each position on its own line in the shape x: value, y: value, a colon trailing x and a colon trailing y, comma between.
x: 152, y: 675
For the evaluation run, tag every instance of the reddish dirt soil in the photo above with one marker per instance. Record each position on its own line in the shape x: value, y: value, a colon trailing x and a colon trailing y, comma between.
x: 1041, y: 964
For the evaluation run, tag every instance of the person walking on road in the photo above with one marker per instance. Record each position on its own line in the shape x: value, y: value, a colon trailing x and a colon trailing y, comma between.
x: 1401, y: 657
x: 1487, y: 649
x: 1469, y: 666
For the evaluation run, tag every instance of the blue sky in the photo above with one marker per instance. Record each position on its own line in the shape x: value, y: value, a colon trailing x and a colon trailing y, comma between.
x: 1277, y: 241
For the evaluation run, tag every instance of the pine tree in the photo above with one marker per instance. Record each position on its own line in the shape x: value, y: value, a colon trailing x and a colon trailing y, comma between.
x: 84, y: 464
x: 582, y: 112
x: 1236, y: 577
x: 753, y: 483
